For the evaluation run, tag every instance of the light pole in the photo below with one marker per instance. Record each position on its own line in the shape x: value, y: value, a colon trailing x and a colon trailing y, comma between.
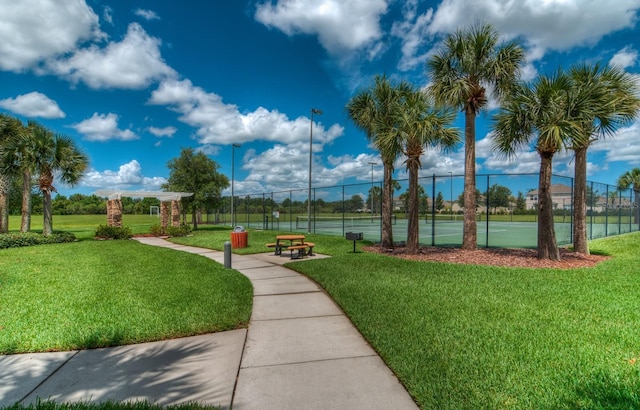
x: 372, y: 164
x: 451, y: 195
x: 233, y: 168
x: 318, y: 112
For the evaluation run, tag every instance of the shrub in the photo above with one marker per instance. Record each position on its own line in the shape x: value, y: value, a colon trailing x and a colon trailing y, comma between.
x: 16, y: 240
x: 182, y: 230
x: 113, y: 232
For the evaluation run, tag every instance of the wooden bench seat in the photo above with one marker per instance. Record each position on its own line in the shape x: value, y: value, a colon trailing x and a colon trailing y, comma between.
x: 304, y: 249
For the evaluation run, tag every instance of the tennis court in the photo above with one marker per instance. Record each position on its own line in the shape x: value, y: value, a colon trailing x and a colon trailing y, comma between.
x: 448, y: 232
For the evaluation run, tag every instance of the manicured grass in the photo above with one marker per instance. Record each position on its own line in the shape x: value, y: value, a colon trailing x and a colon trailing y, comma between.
x: 214, y: 237
x: 84, y: 226
x: 108, y: 405
x: 103, y: 293
x: 462, y: 336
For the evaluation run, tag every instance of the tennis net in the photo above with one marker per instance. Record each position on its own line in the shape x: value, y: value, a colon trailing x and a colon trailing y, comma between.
x: 340, y: 221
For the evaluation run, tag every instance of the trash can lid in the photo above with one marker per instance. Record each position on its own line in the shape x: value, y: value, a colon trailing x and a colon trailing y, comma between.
x: 239, y: 228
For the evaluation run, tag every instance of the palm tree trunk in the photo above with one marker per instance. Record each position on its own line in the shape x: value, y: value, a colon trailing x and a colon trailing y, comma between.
x: 547, y: 245
x: 47, y: 219
x: 4, y: 204
x: 25, y: 223
x: 580, y: 243
x: 413, y: 237
x: 194, y: 216
x: 469, y: 236
x: 386, y: 240
x: 636, y: 211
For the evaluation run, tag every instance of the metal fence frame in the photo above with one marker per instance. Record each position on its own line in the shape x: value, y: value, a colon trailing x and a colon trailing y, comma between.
x: 610, y: 211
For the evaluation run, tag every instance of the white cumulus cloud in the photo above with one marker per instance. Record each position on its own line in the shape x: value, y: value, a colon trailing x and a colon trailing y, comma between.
x: 147, y: 14
x: 103, y: 127
x: 163, y: 132
x: 625, y: 58
x: 220, y: 123
x: 341, y: 26
x: 129, y: 175
x: 34, y: 30
x: 33, y: 104
x: 135, y: 62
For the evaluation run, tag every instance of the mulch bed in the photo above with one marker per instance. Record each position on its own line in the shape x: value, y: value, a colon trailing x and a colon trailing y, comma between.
x: 526, y: 258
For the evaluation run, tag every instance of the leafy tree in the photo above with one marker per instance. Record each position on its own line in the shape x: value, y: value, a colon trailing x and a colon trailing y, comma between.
x: 499, y: 196
x: 418, y: 125
x: 521, y: 205
x: 372, y: 110
x: 356, y: 202
x: 476, y: 198
x: 470, y: 62
x: 196, y: 173
x: 439, y: 202
x: 538, y: 111
x: 631, y: 179
x: 604, y: 98
x: 374, y: 199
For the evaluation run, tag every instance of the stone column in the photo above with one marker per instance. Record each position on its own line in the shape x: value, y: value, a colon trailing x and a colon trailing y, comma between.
x: 175, y: 212
x: 164, y: 214
x: 114, y: 212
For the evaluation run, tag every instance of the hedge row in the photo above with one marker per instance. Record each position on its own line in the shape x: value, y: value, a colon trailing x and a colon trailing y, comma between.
x: 16, y: 240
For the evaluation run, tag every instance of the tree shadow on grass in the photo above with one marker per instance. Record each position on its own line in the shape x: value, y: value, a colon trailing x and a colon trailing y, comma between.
x: 603, y: 391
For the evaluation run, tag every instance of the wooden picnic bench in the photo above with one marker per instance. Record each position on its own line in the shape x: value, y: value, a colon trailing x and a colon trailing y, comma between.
x: 292, y: 243
x: 304, y: 249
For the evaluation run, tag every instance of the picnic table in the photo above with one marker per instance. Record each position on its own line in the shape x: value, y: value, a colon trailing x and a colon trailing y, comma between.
x: 292, y: 243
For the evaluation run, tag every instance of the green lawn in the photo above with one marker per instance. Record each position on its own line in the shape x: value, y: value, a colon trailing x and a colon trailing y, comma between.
x: 477, y: 337
x: 103, y: 293
x: 457, y: 336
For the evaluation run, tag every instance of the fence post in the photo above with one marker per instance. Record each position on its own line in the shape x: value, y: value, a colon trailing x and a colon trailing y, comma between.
x: 433, y: 210
x: 488, y: 201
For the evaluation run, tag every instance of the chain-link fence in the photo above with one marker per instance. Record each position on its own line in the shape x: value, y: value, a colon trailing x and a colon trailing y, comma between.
x: 506, y: 210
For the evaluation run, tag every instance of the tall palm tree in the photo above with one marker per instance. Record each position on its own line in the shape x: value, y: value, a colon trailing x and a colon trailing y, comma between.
x: 9, y: 129
x: 470, y: 63
x: 372, y: 110
x: 54, y: 154
x: 631, y: 179
x: 18, y: 155
x: 537, y: 113
x: 418, y: 124
x: 604, y: 98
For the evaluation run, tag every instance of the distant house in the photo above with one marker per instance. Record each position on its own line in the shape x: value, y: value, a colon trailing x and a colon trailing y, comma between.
x: 561, y: 196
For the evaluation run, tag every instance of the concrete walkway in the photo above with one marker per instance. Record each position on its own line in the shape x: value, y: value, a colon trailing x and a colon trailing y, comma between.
x: 300, y: 351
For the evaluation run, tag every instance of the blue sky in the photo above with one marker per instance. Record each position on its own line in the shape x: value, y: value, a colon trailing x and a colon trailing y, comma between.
x: 133, y: 82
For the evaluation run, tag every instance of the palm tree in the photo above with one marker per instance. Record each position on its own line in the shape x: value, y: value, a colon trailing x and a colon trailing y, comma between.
x: 631, y: 179
x: 470, y: 62
x: 603, y: 99
x: 54, y: 154
x: 372, y: 111
x: 9, y: 129
x: 417, y: 126
x: 18, y: 155
x: 538, y: 111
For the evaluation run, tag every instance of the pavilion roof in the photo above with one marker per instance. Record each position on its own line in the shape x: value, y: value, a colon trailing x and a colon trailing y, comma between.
x: 161, y: 195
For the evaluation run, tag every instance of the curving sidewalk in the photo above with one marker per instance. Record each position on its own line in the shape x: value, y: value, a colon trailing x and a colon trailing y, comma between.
x: 300, y: 351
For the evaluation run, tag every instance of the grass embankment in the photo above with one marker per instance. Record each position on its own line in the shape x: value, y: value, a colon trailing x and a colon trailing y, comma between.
x: 104, y: 293
x: 457, y: 336
x: 461, y: 336
x: 483, y: 337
